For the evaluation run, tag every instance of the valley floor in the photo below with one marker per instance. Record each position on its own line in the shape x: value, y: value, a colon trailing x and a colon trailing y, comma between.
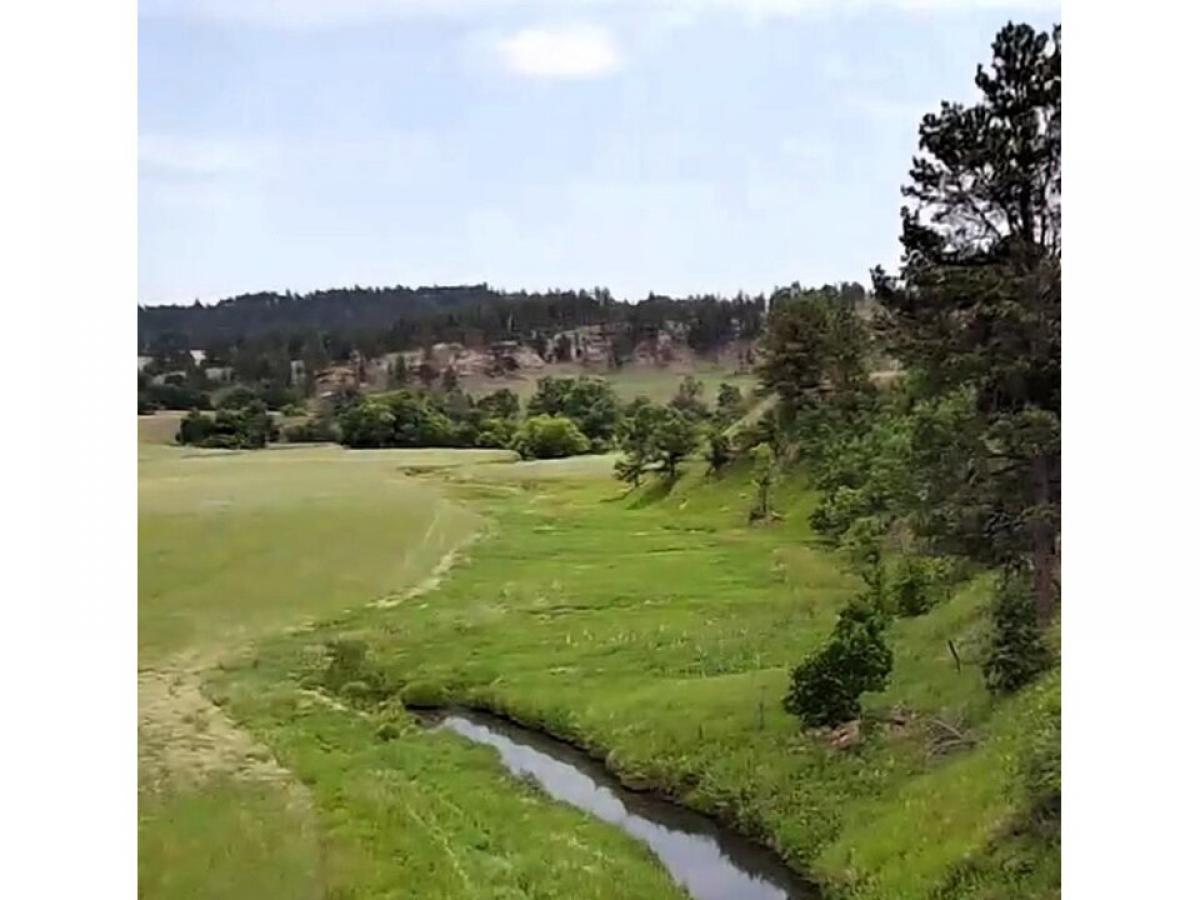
x: 655, y: 628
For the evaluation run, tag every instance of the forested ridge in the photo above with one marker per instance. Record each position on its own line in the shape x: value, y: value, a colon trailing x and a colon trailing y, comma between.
x: 375, y: 320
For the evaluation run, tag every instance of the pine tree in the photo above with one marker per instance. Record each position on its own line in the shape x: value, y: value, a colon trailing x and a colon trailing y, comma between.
x: 975, y: 314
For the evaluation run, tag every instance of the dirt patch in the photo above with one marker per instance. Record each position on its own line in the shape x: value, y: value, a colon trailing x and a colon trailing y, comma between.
x: 184, y: 739
x: 432, y: 581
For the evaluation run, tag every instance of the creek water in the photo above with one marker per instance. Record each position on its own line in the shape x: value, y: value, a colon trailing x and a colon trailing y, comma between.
x: 707, y: 860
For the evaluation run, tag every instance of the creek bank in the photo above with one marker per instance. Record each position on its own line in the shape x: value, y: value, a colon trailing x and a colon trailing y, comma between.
x: 707, y: 859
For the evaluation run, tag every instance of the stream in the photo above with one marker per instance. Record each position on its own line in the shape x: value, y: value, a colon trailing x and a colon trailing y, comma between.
x: 708, y: 861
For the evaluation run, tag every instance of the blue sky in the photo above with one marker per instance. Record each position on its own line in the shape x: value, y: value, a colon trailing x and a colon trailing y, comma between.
x: 678, y: 146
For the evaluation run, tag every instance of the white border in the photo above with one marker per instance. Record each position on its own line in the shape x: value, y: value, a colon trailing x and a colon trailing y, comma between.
x: 1131, y: 619
x: 68, y: 256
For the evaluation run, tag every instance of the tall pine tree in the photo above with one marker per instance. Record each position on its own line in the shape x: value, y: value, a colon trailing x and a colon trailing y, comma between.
x: 975, y: 313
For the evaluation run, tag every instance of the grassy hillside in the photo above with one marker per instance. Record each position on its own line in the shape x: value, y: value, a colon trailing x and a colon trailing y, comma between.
x: 657, y: 629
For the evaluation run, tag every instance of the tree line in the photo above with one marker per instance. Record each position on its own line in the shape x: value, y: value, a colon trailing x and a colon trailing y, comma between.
x: 326, y: 326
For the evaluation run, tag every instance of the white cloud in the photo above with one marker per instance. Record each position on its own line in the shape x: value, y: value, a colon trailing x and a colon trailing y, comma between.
x: 577, y: 51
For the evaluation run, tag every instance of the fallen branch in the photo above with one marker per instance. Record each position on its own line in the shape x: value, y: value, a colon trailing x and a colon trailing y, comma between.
x: 949, y: 739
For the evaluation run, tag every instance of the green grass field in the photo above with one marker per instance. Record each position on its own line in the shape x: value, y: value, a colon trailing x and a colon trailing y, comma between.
x: 629, y: 382
x: 656, y: 628
x: 232, y: 547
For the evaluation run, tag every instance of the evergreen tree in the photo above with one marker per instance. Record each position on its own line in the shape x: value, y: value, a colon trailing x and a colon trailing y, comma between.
x: 975, y: 314
x: 675, y: 436
x: 1016, y: 652
x: 815, y: 345
x: 719, y: 452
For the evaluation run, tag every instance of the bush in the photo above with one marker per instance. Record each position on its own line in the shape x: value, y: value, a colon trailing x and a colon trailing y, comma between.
x: 238, y: 398
x: 356, y: 691
x: 549, y: 437
x: 194, y: 428
x: 313, y: 431
x: 590, y: 403
x: 400, y: 419
x: 826, y: 688
x: 249, y: 428
x: 174, y: 396
x: 278, y: 396
x: 501, y: 404
x: 349, y: 674
x: 763, y: 476
x: 918, y: 584
x: 495, y: 433
x: 1017, y: 653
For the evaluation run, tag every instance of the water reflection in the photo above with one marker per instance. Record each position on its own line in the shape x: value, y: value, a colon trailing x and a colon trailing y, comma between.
x: 709, y: 862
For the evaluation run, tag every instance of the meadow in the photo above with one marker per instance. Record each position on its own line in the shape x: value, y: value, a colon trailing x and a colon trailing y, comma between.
x: 629, y: 382
x: 234, y: 546
x: 654, y: 628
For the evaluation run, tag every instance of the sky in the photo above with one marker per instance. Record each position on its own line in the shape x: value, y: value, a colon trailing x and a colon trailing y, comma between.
x: 674, y: 146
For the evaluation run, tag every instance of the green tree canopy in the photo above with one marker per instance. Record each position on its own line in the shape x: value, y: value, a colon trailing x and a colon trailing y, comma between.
x: 549, y: 437
x: 975, y: 312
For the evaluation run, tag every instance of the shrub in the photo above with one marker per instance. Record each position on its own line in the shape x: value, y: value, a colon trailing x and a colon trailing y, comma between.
x: 237, y: 398
x: 356, y: 691
x: 590, y: 403
x: 501, y: 404
x: 350, y: 674
x: 495, y: 433
x: 310, y: 432
x: 1016, y: 654
x: 278, y: 396
x: 917, y: 584
x: 401, y: 419
x: 827, y: 686
x: 764, y: 477
x: 369, y: 423
x: 194, y: 428
x: 549, y: 437
x: 174, y: 396
x: 251, y: 428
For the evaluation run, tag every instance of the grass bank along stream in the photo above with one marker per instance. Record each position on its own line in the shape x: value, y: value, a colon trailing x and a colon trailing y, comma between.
x: 709, y: 862
x: 654, y: 629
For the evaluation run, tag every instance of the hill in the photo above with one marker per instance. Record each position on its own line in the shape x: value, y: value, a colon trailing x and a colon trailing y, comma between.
x: 375, y: 320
